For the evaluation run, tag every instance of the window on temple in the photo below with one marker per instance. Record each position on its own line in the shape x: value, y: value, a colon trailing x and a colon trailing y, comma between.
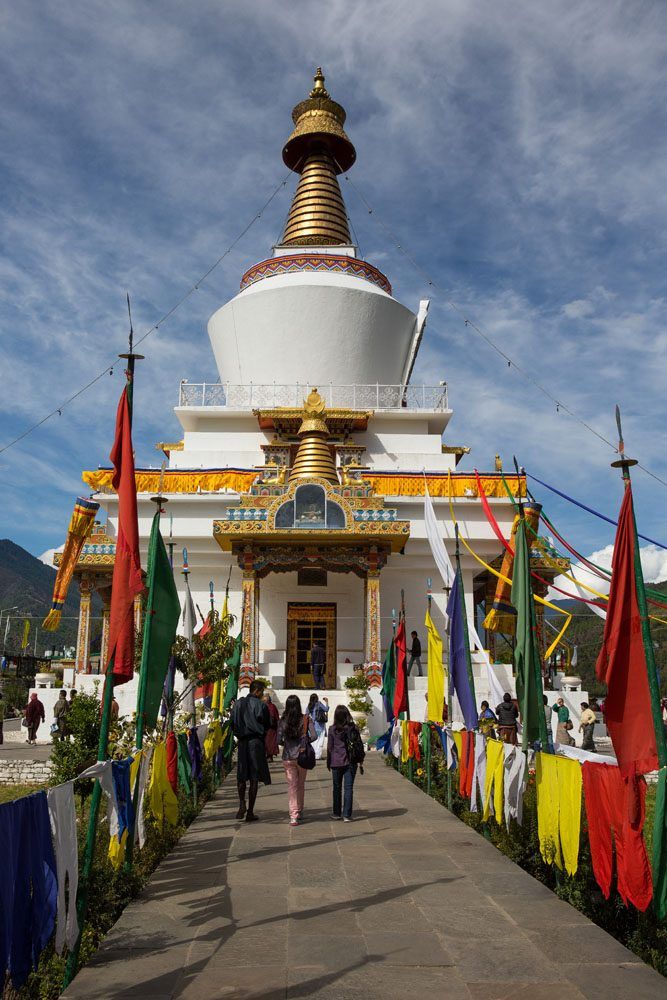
x: 310, y: 506
x: 310, y: 509
x: 285, y: 515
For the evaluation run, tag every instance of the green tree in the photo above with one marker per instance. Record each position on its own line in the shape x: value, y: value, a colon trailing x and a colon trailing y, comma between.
x: 70, y: 757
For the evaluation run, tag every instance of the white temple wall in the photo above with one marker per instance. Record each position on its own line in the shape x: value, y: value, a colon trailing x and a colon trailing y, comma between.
x: 350, y: 331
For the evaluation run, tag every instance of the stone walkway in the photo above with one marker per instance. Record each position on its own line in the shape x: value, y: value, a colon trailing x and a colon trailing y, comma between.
x: 405, y: 901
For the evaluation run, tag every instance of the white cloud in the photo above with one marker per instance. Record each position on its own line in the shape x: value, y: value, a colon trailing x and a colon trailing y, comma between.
x: 47, y: 557
x: 578, y: 308
x: 654, y: 567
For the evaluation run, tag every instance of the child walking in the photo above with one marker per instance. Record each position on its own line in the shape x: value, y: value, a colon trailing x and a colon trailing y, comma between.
x: 293, y: 727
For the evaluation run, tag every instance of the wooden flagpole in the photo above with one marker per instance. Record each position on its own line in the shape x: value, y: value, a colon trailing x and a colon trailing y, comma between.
x: 103, y: 744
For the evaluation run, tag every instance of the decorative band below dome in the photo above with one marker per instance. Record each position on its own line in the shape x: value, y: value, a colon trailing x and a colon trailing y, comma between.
x: 315, y: 262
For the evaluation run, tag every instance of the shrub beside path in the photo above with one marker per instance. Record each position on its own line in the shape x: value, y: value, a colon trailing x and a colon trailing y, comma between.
x: 404, y: 901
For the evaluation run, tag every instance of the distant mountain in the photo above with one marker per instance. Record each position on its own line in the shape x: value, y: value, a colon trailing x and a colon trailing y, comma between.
x: 586, y: 632
x: 27, y: 583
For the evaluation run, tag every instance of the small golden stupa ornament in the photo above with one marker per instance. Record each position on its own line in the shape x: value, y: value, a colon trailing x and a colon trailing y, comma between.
x: 319, y: 150
x: 314, y: 459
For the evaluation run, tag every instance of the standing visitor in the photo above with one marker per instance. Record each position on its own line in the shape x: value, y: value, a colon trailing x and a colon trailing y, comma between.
x: 34, y: 714
x: 548, y: 717
x: 564, y: 724
x: 250, y: 721
x: 317, y: 664
x: 271, y: 738
x: 318, y: 710
x: 507, y: 714
x: 2, y: 720
x: 72, y: 696
x: 587, y: 727
x: 60, y: 710
x: 415, y: 653
x: 487, y: 718
x: 293, y: 730
x: 342, y: 760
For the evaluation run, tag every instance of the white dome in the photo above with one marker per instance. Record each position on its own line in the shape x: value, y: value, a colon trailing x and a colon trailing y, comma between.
x: 312, y: 328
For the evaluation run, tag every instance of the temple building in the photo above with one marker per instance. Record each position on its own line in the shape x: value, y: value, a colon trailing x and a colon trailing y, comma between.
x: 300, y: 475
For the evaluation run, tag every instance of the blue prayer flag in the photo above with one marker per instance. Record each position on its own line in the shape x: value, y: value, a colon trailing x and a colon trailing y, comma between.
x: 459, y: 681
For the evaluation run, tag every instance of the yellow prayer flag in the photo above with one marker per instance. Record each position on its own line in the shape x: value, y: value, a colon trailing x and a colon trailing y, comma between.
x: 26, y: 633
x: 436, y: 672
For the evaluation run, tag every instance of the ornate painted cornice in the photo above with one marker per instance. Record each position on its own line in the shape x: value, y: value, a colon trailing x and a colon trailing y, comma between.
x: 329, y: 263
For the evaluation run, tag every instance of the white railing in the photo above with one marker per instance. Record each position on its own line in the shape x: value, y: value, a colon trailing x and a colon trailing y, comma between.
x: 352, y: 397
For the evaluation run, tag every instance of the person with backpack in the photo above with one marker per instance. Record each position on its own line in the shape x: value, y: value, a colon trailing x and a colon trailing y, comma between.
x: 318, y: 710
x: 296, y: 732
x: 345, y: 753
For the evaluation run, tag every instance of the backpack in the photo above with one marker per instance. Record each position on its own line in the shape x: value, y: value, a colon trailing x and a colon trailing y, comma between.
x: 320, y: 715
x: 355, y: 746
x: 306, y: 756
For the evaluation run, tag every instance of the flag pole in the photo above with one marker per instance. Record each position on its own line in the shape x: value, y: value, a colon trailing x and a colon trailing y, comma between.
x: 659, y: 859
x: 407, y: 686
x: 103, y: 744
x: 141, y: 697
x: 458, y: 582
x: 624, y: 463
x: 450, y: 707
x: 429, y: 600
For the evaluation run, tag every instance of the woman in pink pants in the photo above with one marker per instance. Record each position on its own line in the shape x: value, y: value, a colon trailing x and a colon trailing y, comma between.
x: 293, y: 726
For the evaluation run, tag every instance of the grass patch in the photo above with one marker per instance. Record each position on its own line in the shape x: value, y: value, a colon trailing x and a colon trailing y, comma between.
x: 10, y: 792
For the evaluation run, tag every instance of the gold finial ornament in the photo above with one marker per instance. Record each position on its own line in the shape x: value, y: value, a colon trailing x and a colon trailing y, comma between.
x: 318, y: 149
x: 319, y: 90
x: 314, y: 459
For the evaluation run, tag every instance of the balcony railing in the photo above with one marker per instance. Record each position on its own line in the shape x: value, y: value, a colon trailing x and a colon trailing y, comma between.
x: 348, y: 397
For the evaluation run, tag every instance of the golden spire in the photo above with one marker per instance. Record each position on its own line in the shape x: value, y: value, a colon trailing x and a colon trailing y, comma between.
x: 318, y: 149
x: 314, y: 458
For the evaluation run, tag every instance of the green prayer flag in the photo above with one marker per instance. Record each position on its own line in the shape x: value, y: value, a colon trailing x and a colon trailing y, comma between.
x: 234, y: 664
x: 184, y: 764
x: 527, y: 661
x: 660, y: 847
x: 162, y: 613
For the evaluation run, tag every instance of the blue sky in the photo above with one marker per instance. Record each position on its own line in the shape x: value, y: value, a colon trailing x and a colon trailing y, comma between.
x: 517, y: 149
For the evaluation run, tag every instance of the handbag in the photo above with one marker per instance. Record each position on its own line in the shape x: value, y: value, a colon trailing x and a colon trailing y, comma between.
x: 569, y: 725
x: 306, y: 757
x: 24, y: 723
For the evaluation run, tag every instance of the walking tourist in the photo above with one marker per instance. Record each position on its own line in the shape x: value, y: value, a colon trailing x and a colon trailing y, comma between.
x: 487, y: 718
x: 271, y: 738
x: 318, y: 710
x: 564, y: 724
x: 60, y: 710
x: 317, y: 664
x: 344, y: 753
x: 587, y: 727
x: 415, y: 653
x: 294, y: 730
x: 250, y: 721
x: 34, y: 714
x: 507, y: 714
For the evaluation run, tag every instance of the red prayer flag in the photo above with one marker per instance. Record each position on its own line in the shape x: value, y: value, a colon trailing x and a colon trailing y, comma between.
x: 127, y: 582
x: 621, y: 663
x: 204, y: 690
x: 172, y: 761
x: 401, y: 689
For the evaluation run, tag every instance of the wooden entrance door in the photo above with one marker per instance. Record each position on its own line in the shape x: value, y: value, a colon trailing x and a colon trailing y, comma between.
x: 305, y: 624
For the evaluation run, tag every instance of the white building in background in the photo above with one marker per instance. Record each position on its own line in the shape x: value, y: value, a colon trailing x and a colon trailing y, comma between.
x: 300, y: 475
